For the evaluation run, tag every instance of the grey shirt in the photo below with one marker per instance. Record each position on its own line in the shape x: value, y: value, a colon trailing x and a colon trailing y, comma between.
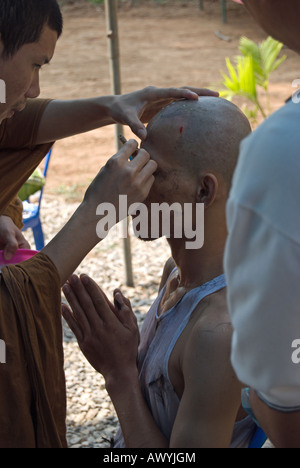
x: 262, y: 259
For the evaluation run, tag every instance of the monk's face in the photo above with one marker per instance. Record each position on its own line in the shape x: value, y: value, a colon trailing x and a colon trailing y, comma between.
x: 19, y: 74
x: 279, y: 18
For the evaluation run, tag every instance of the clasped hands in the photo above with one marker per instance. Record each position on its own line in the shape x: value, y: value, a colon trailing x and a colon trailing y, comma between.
x: 107, y: 333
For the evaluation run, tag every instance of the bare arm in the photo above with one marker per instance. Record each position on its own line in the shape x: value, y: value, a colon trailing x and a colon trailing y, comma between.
x: 118, y: 176
x: 62, y: 119
x: 212, y: 394
x: 282, y: 428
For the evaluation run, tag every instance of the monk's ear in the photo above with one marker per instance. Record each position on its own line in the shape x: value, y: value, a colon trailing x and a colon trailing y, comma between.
x: 207, y: 189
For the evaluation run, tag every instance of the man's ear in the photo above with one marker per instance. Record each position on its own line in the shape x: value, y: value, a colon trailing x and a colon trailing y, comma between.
x: 207, y: 189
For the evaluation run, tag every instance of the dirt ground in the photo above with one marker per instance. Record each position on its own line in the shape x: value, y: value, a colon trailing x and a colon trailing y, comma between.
x: 160, y: 45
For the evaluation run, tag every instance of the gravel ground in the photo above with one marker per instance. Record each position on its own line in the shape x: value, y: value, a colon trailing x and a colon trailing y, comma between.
x: 91, y: 419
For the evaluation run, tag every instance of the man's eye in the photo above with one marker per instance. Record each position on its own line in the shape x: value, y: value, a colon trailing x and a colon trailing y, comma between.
x: 37, y: 66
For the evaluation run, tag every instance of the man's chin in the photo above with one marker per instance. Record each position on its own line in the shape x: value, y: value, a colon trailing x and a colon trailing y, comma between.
x: 146, y: 239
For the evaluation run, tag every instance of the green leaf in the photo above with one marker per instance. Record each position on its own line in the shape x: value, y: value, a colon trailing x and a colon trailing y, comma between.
x: 241, y: 80
x: 265, y: 57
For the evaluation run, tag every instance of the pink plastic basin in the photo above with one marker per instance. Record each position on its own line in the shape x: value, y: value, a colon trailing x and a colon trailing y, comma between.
x: 20, y: 256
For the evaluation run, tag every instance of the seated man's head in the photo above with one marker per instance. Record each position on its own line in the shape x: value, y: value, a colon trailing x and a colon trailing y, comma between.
x: 196, y: 146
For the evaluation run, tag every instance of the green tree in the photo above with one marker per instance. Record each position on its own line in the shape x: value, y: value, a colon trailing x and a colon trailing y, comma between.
x: 252, y: 69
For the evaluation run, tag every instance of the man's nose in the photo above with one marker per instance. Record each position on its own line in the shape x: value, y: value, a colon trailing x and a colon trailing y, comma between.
x: 34, y: 90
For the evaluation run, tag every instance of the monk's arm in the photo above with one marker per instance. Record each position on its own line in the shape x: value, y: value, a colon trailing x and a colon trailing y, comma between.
x: 119, y: 176
x: 62, y: 119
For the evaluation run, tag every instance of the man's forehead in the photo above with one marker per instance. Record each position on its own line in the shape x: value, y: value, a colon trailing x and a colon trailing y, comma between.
x: 45, y: 46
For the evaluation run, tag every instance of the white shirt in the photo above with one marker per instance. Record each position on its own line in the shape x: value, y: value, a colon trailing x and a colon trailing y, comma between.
x: 262, y: 260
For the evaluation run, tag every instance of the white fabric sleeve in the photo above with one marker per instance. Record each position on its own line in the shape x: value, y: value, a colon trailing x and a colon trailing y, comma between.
x: 263, y: 277
x: 262, y: 260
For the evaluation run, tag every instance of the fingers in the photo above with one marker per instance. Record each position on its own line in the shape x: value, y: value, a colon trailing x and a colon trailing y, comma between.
x: 136, y: 176
x: 152, y: 99
x: 123, y: 309
x: 186, y: 92
x: 127, y: 150
x: 173, y: 93
x: 144, y: 168
x: 104, y: 309
x: 79, y: 302
x: 11, y: 238
x: 69, y: 318
x: 89, y: 304
x: 152, y: 96
x: 22, y: 242
x: 91, y: 309
x: 14, y: 242
x: 95, y: 292
x: 202, y: 91
x: 11, y: 246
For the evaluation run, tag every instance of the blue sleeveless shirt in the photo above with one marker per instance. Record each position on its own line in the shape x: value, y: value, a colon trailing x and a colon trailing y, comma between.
x: 159, y: 335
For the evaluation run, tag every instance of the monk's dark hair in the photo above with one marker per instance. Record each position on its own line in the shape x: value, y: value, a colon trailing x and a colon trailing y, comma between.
x: 22, y: 22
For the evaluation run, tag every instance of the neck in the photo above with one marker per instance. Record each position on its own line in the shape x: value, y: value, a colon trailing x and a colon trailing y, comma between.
x: 198, y: 266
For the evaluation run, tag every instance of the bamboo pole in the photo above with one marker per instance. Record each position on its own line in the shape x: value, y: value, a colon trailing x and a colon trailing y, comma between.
x: 113, y: 45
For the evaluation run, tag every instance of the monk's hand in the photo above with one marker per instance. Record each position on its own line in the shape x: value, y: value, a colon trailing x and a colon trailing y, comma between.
x: 11, y: 238
x: 102, y: 207
x: 134, y: 108
x: 107, y: 333
x: 122, y: 177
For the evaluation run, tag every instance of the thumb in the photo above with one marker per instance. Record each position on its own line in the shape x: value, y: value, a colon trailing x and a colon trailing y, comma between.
x: 22, y: 242
x: 10, y: 248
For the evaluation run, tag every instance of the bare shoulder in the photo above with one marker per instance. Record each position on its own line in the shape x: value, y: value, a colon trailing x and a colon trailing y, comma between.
x: 205, y: 382
x: 203, y: 349
x: 210, y: 324
x: 207, y: 344
x: 212, y: 313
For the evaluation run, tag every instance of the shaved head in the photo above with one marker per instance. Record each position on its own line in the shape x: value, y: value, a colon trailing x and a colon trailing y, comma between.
x: 199, y: 136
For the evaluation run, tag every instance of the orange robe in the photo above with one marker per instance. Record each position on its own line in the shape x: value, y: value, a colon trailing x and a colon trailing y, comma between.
x: 32, y: 380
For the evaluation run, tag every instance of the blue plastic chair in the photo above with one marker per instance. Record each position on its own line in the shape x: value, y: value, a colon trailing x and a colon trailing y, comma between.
x: 31, y: 213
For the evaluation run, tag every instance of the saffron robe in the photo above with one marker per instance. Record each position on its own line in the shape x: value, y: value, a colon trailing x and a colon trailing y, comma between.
x: 32, y: 381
